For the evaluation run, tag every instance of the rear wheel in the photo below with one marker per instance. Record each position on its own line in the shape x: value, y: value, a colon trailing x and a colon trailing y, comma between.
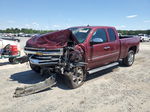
x: 143, y: 40
x: 75, y: 78
x: 129, y: 60
x: 13, y: 60
x: 35, y: 68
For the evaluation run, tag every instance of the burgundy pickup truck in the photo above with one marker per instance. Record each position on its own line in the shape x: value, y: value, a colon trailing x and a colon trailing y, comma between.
x: 77, y: 51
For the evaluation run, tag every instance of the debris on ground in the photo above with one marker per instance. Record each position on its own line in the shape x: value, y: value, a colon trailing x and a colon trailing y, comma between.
x: 27, y: 90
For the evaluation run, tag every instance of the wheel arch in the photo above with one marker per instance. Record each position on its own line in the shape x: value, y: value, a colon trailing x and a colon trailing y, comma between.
x: 134, y: 48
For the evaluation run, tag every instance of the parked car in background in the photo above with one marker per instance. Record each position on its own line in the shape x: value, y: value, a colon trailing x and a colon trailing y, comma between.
x: 10, y: 38
x: 144, y: 38
x: 9, y: 49
x: 149, y: 36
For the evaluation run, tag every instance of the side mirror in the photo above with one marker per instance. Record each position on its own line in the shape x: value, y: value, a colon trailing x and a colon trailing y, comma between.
x: 96, y: 41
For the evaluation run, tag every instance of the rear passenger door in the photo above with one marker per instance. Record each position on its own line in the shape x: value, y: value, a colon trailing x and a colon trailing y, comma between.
x: 114, y: 45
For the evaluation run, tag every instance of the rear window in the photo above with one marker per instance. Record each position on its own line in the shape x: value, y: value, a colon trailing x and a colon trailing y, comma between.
x: 112, y: 34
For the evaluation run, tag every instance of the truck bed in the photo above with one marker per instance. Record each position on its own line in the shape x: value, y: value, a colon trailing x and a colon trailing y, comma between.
x: 126, y: 43
x: 126, y: 36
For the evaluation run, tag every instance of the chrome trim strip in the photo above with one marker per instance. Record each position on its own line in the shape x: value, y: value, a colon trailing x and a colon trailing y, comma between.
x: 44, y: 57
x: 41, y: 62
x: 32, y: 48
x: 52, y: 59
x: 43, y: 53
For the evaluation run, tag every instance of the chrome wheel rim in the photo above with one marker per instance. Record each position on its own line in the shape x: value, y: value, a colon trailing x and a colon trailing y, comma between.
x: 131, y: 58
x: 78, y: 76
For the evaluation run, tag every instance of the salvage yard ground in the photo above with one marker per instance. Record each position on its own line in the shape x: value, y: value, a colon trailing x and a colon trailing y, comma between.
x: 122, y: 89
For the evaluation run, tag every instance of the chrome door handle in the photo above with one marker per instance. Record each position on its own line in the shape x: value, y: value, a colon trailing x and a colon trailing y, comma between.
x: 107, y: 47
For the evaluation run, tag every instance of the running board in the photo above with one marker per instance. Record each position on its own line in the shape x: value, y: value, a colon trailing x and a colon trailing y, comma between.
x: 103, y: 68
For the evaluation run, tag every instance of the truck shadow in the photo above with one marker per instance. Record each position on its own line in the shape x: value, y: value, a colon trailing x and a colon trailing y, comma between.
x: 4, y: 63
x: 89, y: 77
x: 27, y: 77
x: 7, y: 63
x: 100, y: 73
x: 30, y: 77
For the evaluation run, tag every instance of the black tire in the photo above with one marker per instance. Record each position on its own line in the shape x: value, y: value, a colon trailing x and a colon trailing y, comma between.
x: 13, y: 61
x: 18, y: 40
x: 129, y: 60
x: 75, y: 78
x: 35, y: 68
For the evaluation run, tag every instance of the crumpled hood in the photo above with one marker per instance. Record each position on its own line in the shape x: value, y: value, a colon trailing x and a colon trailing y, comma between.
x: 52, y: 40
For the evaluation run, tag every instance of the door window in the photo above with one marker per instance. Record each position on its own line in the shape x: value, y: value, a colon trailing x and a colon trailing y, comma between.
x: 99, y: 36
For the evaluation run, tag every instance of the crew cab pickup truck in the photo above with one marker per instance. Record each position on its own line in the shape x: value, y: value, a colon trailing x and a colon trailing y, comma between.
x: 77, y: 51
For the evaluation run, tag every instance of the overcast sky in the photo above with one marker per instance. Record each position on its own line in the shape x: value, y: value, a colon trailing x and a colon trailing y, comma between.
x: 60, y: 14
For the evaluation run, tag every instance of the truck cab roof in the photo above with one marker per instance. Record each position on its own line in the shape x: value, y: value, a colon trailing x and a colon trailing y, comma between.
x: 93, y: 27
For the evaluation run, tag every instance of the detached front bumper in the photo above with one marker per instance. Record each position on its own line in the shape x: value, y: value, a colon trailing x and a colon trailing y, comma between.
x: 40, y: 56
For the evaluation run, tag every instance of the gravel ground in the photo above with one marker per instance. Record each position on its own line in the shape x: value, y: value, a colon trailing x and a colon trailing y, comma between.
x: 122, y: 89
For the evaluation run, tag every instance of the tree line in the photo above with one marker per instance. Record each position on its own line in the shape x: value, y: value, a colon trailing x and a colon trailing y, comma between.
x: 24, y: 30
x: 134, y: 32
x: 32, y: 31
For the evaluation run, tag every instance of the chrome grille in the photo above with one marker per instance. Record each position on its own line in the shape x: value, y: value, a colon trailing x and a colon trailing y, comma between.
x: 40, y: 56
x: 38, y: 51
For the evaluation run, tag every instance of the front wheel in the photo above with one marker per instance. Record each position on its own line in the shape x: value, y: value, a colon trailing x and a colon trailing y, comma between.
x: 129, y: 60
x: 75, y: 78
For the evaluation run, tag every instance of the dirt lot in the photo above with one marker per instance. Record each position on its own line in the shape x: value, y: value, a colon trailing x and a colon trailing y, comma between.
x: 126, y: 89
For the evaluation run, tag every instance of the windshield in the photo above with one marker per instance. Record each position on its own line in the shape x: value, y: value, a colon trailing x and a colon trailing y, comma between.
x: 80, y: 33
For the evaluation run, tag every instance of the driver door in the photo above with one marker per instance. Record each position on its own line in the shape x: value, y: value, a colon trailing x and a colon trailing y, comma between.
x: 98, y: 49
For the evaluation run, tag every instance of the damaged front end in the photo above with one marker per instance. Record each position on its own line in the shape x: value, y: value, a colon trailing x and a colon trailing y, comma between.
x: 65, y: 57
x: 57, y: 60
